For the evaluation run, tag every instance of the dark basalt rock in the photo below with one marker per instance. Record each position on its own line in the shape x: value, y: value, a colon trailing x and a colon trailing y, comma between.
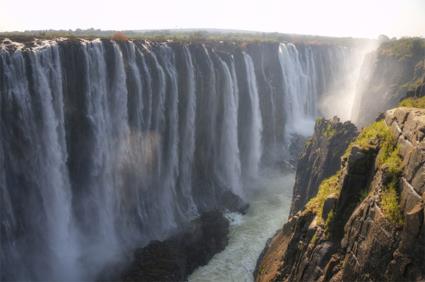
x: 321, y: 158
x: 233, y: 203
x: 360, y: 243
x: 177, y: 257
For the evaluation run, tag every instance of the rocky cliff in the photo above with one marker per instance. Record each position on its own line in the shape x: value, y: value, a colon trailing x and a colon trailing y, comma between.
x: 366, y: 222
x: 395, y: 69
x: 321, y: 158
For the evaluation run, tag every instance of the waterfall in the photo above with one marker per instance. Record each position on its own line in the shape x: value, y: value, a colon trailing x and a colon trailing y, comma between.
x: 256, y: 125
x: 107, y: 145
x: 187, y: 133
x: 300, y: 91
x: 312, y: 84
x: 228, y: 167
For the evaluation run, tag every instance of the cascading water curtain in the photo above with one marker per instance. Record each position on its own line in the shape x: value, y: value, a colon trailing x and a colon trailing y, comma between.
x: 106, y: 145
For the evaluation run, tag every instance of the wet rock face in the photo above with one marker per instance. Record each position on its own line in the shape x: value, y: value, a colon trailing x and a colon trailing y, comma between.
x: 233, y: 203
x: 360, y: 243
x: 177, y: 257
x: 321, y: 158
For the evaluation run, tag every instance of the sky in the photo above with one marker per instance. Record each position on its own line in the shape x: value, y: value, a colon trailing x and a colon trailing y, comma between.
x: 356, y: 18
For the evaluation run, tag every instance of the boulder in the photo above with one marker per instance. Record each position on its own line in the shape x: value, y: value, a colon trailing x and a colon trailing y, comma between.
x: 177, y: 257
x: 233, y: 203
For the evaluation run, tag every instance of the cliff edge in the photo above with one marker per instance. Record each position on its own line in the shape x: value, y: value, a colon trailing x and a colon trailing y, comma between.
x: 366, y: 222
x: 321, y: 158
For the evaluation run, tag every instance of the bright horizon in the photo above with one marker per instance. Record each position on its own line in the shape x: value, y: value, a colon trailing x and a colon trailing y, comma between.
x: 362, y: 18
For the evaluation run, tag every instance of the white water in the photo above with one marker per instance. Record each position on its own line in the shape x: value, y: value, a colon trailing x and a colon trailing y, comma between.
x: 119, y: 147
x: 269, y: 208
x: 255, y: 147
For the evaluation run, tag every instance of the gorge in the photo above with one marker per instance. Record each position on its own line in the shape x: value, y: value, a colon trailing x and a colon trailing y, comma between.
x: 107, y: 144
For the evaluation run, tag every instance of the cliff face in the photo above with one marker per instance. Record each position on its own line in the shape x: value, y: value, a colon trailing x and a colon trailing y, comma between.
x: 367, y: 221
x: 386, y: 77
x: 320, y: 159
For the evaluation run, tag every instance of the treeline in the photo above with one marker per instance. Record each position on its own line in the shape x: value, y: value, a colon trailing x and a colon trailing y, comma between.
x: 183, y: 36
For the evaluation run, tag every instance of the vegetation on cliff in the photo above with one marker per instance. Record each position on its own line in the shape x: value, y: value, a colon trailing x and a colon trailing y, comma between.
x: 328, y: 130
x: 319, y: 162
x: 390, y: 204
x: 395, y: 70
x: 403, y: 48
x: 413, y: 102
x: 376, y: 134
x: 366, y: 222
x: 372, y: 135
x: 328, y: 187
x: 377, y: 137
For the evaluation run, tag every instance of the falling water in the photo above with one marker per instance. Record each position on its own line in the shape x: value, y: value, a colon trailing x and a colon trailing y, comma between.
x: 256, y: 125
x: 107, y: 145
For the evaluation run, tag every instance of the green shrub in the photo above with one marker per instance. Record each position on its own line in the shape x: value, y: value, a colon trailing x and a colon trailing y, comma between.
x: 413, y: 102
x: 390, y: 204
x: 329, y: 130
x: 328, y: 222
x: 375, y: 134
x: 403, y: 48
x: 393, y: 162
x: 328, y: 187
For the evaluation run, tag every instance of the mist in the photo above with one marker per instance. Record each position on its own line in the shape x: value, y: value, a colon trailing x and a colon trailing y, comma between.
x: 341, y: 98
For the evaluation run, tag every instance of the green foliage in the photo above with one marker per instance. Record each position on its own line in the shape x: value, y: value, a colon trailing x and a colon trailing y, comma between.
x: 403, y: 48
x: 308, y: 142
x: 328, y: 222
x: 393, y: 162
x: 413, y: 102
x: 329, y: 130
x: 390, y: 204
x: 211, y: 35
x: 388, y: 158
x: 386, y: 150
x: 327, y: 188
x: 375, y: 134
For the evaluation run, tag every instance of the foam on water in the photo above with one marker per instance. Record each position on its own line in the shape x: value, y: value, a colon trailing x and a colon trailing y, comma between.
x: 248, y: 233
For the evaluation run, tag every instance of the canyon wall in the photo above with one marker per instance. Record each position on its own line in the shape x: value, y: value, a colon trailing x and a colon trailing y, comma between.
x: 367, y: 222
x: 320, y: 159
x: 388, y: 74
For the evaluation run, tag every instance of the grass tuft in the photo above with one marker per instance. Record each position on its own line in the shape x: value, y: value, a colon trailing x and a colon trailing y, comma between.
x: 390, y: 204
x: 328, y: 187
x: 413, y: 102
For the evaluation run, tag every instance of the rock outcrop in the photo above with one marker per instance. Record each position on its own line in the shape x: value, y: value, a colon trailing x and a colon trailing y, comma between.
x: 177, y: 257
x: 321, y: 158
x: 367, y: 222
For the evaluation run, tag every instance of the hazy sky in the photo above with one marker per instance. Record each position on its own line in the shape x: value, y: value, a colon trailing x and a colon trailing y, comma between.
x: 359, y: 18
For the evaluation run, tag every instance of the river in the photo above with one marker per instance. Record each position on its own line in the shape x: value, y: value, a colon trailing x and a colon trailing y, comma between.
x: 269, y: 209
